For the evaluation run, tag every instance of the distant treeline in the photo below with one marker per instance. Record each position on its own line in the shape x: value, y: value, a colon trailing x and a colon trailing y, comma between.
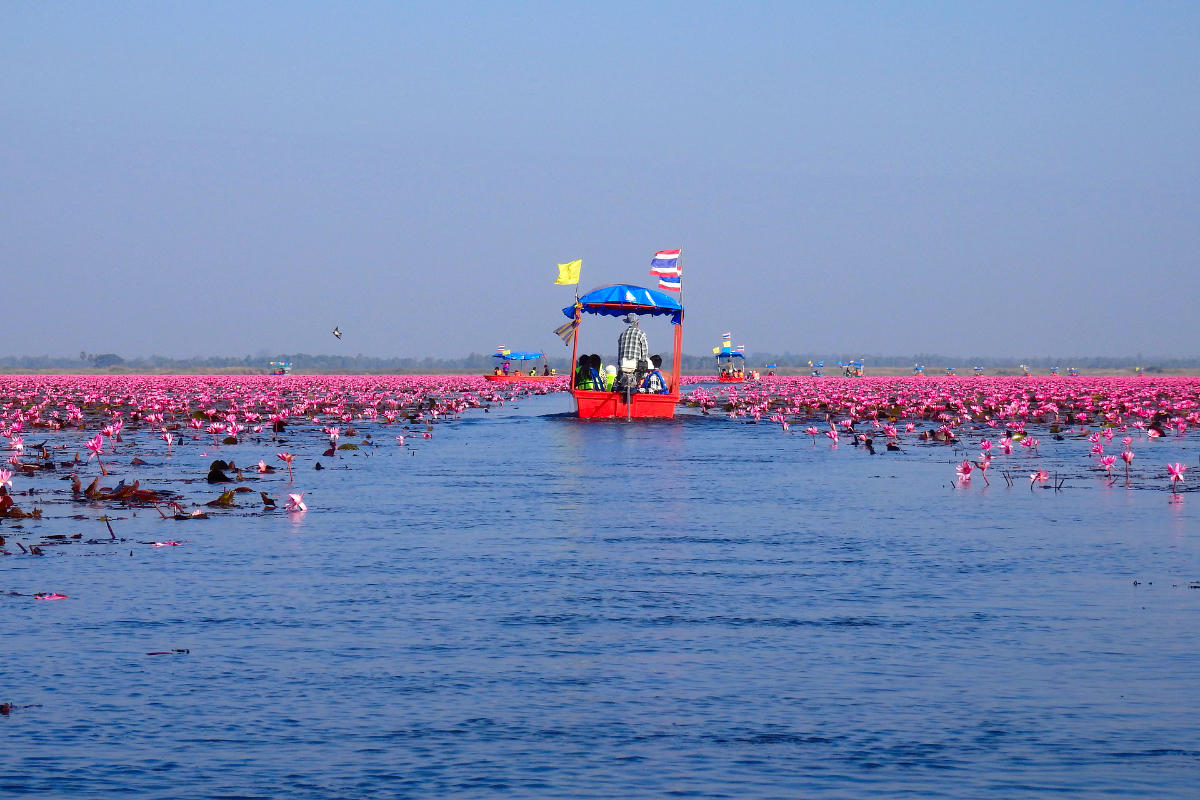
x: 483, y: 362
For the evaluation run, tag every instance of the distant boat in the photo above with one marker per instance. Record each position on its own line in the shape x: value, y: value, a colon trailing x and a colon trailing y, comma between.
x: 731, y: 361
x: 501, y: 375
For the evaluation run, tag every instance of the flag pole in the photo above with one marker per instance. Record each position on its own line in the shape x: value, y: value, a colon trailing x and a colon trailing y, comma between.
x: 575, y: 338
x: 578, y: 319
x: 676, y: 367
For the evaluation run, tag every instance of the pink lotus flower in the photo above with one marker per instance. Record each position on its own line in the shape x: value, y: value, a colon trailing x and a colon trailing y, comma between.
x: 6, y: 477
x: 1106, y: 463
x: 1175, y: 471
x: 96, y: 445
x: 296, y: 503
x: 983, y: 465
x: 963, y: 471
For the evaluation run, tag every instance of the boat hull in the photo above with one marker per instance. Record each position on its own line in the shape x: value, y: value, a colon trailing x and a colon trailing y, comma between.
x: 611, y: 405
x: 521, y: 378
x: 730, y: 379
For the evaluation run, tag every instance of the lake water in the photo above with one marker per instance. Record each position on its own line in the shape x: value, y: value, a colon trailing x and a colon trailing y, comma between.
x: 531, y: 606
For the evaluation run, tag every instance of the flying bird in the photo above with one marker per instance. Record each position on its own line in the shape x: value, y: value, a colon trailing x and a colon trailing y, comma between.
x: 337, y: 332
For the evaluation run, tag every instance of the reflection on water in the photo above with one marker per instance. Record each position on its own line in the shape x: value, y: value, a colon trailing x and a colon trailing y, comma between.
x: 534, y: 606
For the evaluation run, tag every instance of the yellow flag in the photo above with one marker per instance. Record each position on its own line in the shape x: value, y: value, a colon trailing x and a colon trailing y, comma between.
x: 568, y: 273
x: 716, y: 350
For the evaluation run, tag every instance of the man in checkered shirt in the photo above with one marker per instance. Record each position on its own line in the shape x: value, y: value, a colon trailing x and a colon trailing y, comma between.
x: 632, y: 345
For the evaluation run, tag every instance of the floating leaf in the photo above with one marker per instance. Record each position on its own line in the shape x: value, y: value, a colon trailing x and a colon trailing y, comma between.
x: 224, y: 501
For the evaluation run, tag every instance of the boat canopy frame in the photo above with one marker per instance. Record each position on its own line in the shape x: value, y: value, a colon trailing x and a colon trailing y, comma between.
x: 519, y: 356
x: 619, y: 299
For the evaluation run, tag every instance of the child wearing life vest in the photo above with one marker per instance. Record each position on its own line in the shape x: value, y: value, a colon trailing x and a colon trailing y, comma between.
x: 654, y: 382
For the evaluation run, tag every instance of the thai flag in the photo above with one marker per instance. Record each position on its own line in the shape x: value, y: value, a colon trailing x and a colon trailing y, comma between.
x: 726, y: 335
x: 670, y: 283
x: 666, y: 264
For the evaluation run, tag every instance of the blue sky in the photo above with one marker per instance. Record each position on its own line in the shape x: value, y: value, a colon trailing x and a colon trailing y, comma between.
x: 965, y: 178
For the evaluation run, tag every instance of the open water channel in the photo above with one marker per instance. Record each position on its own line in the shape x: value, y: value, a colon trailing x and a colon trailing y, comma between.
x: 532, y: 606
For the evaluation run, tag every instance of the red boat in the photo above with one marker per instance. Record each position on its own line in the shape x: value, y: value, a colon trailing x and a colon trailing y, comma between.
x: 504, y: 374
x: 731, y: 364
x: 615, y: 301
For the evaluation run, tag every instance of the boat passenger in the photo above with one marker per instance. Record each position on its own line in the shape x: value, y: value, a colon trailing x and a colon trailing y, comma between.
x: 583, y: 377
x: 610, y: 377
x: 533, y: 372
x: 597, y: 365
x: 506, y: 367
x: 632, y: 344
x: 545, y: 369
x: 654, y: 382
x: 495, y: 370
